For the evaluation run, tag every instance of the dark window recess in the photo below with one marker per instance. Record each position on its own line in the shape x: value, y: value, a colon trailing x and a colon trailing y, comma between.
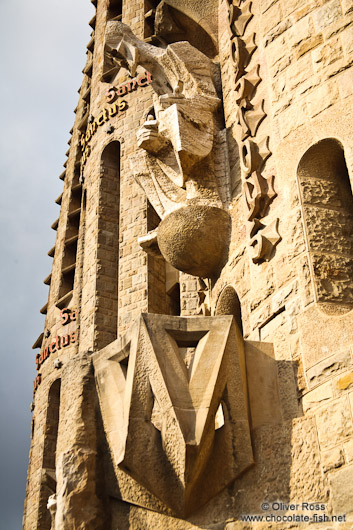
x: 115, y: 10
x: 165, y: 24
x: 68, y: 266
x: 48, y: 480
x: 173, y: 300
x: 108, y: 245
x: 163, y: 279
x: 150, y: 14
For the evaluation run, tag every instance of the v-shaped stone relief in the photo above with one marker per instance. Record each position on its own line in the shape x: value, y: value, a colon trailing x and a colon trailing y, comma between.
x: 174, y: 407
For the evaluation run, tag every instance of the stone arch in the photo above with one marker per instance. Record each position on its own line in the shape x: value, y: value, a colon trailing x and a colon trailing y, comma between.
x: 204, y: 13
x: 327, y: 205
x: 229, y: 304
x: 163, y: 279
x: 196, y: 22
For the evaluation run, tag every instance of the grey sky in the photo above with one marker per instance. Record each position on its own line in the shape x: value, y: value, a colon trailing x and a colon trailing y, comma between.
x: 42, y: 53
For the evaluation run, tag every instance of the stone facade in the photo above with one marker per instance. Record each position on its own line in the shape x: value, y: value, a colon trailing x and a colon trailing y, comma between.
x: 196, y: 365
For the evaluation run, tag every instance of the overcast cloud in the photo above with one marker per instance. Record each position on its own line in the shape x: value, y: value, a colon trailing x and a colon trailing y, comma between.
x: 43, y: 45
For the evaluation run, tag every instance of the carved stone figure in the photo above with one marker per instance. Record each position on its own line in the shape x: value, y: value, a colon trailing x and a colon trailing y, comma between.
x: 175, y: 164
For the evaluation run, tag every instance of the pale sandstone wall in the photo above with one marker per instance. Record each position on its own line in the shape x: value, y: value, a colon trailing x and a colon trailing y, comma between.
x: 304, y: 55
x: 303, y: 440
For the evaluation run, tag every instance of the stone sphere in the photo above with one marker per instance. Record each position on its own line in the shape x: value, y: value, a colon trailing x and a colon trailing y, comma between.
x: 195, y: 238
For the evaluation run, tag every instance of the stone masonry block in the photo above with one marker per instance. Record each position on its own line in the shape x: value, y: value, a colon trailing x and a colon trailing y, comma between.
x: 347, y: 6
x: 345, y: 83
x: 347, y: 40
x: 277, y: 51
x: 328, y: 367
x: 271, y: 18
x: 321, y: 98
x: 327, y: 54
x: 334, y: 424
x: 309, y: 45
x: 341, y: 482
x: 327, y: 14
x: 300, y: 72
x: 317, y: 397
x: 300, y: 31
x: 348, y: 450
x: 292, y: 118
x: 290, y: 6
x: 332, y: 459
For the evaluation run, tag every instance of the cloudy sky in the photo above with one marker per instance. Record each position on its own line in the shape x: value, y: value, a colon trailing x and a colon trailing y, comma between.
x: 42, y: 49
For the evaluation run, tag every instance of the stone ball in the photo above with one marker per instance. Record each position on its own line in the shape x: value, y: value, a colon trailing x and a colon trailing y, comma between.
x: 195, y: 238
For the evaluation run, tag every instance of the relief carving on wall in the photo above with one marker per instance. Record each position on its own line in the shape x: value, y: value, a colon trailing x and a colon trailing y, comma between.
x: 174, y: 407
x: 258, y: 189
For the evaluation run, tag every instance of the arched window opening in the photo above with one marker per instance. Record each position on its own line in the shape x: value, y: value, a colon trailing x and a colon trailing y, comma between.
x: 327, y: 204
x: 229, y: 304
x: 165, y: 24
x: 163, y: 279
x: 48, y: 483
x: 108, y: 246
x: 70, y: 249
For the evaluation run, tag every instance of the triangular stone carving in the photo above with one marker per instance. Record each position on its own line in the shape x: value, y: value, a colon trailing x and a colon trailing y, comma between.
x: 177, y: 420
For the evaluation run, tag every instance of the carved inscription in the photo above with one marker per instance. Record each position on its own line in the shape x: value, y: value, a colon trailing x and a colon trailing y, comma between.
x: 56, y: 344
x: 112, y: 94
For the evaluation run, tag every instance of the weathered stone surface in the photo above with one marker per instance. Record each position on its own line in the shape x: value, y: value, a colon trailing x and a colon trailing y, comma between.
x: 321, y: 98
x: 194, y: 239
x: 347, y: 6
x: 275, y: 76
x: 328, y: 367
x: 334, y: 423
x: 344, y: 84
x: 306, y: 463
x: 348, y: 450
x: 345, y: 381
x: 318, y: 396
x: 166, y: 415
x: 292, y: 118
x: 319, y: 344
x: 341, y: 482
x: 327, y: 54
x: 309, y: 45
x: 327, y: 14
x: 75, y: 505
x: 347, y: 40
x: 271, y: 18
x: 263, y: 384
x: 280, y: 299
x: 300, y: 31
x: 332, y: 459
x: 77, y: 473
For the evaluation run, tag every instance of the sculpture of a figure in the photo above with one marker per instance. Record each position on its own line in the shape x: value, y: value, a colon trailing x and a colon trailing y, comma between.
x: 180, y: 156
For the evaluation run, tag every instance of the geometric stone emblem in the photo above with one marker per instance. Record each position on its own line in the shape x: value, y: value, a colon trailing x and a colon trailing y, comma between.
x: 174, y: 408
